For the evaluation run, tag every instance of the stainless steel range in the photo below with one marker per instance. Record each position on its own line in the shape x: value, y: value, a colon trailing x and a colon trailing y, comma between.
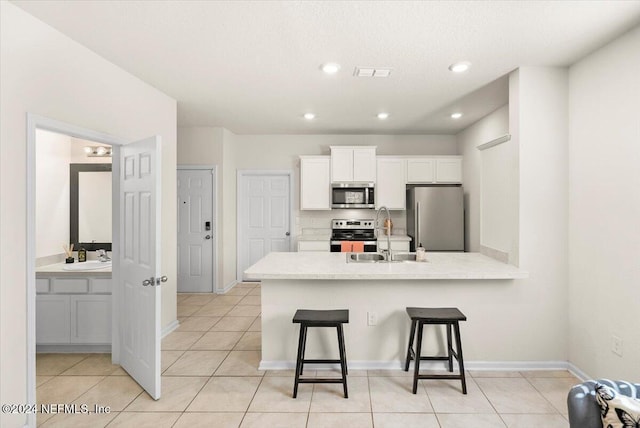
x: 353, y: 235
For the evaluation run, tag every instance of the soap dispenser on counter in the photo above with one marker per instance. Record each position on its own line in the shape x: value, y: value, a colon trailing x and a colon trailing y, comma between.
x: 82, y: 255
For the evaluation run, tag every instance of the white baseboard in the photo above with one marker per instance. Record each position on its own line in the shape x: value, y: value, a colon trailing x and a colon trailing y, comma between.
x: 74, y: 349
x: 169, y: 328
x: 438, y: 365
x: 227, y: 287
x: 577, y: 372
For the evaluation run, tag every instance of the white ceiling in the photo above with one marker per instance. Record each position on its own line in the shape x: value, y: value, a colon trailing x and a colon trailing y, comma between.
x: 253, y: 66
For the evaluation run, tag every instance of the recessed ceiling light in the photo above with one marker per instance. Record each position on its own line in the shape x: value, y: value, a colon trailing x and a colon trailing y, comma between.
x: 330, y: 68
x: 383, y: 116
x: 460, y: 67
x: 309, y: 116
x: 456, y: 115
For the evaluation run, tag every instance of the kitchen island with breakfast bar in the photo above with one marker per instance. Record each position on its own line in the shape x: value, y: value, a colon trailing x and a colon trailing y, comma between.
x: 376, y: 295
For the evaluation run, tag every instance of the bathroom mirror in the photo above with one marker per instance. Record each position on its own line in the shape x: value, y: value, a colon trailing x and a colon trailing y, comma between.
x: 90, y: 215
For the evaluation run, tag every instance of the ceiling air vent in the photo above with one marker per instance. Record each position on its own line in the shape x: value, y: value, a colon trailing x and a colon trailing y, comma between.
x: 371, y: 72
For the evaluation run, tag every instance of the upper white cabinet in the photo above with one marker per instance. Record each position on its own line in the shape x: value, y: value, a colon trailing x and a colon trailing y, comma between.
x: 449, y: 170
x: 390, y: 184
x: 315, y: 183
x: 434, y: 169
x: 353, y: 163
x: 421, y: 170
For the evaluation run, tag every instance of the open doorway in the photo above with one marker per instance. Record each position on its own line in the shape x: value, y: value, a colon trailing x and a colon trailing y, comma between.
x: 135, y: 277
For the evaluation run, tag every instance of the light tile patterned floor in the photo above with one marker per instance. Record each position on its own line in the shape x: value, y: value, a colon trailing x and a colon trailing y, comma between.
x: 211, y: 379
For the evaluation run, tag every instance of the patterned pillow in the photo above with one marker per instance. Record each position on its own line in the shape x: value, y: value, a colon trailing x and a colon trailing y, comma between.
x: 617, y: 410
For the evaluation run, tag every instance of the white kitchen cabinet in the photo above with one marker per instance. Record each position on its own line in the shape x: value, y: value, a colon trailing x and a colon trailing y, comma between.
x: 73, y: 310
x: 449, y: 170
x: 421, y: 170
x: 353, y: 164
x: 315, y: 183
x: 434, y: 169
x: 314, y: 245
x: 390, y: 182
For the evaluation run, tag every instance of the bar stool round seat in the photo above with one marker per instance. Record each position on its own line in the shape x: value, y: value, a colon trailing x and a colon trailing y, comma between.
x: 320, y: 318
x: 450, y: 317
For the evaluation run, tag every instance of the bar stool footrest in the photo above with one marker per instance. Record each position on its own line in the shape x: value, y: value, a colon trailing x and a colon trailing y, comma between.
x: 321, y: 380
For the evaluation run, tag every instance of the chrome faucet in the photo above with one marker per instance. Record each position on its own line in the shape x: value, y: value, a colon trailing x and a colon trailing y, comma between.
x: 102, y: 256
x: 388, y: 250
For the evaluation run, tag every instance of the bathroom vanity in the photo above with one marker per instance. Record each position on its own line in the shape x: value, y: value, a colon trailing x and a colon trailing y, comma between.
x: 73, y: 309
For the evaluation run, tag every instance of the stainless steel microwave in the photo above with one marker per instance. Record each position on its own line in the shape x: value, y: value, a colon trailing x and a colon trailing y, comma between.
x: 352, y: 195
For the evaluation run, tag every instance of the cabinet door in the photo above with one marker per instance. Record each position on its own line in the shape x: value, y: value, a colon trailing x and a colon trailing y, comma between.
x: 315, y: 186
x: 390, y: 183
x: 364, y: 165
x: 421, y: 170
x: 314, y: 245
x: 90, y: 319
x: 341, y: 164
x: 449, y: 170
x: 53, y: 319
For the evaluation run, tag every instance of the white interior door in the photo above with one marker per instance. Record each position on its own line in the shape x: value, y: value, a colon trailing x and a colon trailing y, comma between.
x: 195, y: 230
x: 139, y: 261
x: 264, y: 217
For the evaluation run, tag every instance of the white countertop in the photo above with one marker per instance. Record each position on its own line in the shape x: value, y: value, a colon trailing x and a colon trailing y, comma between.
x: 56, y: 269
x: 324, y: 265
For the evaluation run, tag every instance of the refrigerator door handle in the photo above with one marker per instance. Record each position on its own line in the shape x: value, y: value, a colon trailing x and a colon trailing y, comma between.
x: 417, y: 224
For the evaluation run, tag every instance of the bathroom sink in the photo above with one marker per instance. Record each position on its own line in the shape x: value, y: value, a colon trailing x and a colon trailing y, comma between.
x: 403, y: 257
x: 365, y: 257
x: 90, y: 265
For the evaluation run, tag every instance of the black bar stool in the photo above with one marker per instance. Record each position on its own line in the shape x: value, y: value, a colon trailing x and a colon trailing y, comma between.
x: 315, y: 318
x: 440, y: 316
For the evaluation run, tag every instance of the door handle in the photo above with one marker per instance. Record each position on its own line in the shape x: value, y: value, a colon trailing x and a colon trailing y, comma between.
x: 287, y: 233
x: 207, y: 237
x: 154, y: 281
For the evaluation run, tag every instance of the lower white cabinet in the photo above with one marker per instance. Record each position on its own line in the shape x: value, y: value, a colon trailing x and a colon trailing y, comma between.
x: 73, y: 311
x: 53, y: 319
x: 314, y: 245
x: 90, y: 319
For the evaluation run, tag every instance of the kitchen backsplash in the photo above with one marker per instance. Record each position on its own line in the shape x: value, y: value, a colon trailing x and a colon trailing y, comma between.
x: 319, y: 222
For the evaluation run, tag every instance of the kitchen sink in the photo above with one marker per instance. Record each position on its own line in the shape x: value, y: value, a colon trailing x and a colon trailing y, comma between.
x: 403, y: 257
x: 365, y: 257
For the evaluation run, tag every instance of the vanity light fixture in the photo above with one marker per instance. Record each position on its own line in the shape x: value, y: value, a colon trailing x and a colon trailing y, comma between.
x: 330, y: 67
x: 309, y: 116
x: 456, y: 115
x: 460, y: 67
x: 383, y: 116
x: 97, y: 151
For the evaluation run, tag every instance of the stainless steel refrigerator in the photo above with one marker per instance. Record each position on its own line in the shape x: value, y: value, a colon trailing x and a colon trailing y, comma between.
x: 435, y: 217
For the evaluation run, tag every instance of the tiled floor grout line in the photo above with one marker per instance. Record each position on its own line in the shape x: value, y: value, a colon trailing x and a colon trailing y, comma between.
x: 490, y: 403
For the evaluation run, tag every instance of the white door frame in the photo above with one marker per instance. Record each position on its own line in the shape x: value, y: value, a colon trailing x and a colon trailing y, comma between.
x: 242, y: 173
x: 40, y: 122
x: 214, y: 210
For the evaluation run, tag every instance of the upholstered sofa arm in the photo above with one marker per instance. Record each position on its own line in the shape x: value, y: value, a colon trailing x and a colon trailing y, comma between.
x: 584, y: 411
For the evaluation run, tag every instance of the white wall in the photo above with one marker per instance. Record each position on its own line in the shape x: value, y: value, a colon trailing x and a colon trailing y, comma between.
x: 46, y: 73
x: 52, y: 192
x: 540, y: 136
x: 604, y: 209
x: 490, y: 127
